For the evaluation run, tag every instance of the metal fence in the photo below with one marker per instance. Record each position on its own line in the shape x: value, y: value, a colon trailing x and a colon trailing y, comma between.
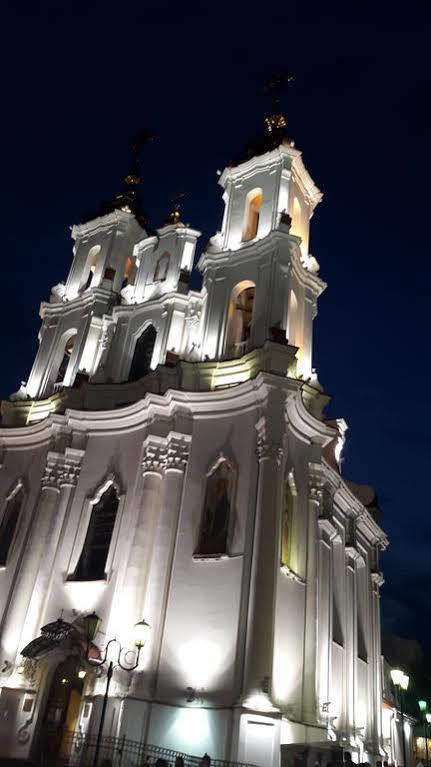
x: 77, y: 750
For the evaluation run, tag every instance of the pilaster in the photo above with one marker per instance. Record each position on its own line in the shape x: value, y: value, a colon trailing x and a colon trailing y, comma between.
x: 265, y: 564
x: 309, y: 689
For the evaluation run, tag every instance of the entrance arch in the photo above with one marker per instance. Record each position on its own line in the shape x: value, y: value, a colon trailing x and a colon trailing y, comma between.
x: 61, y: 710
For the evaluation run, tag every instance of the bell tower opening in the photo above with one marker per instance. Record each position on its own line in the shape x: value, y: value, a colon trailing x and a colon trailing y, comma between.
x: 143, y: 354
x: 65, y: 357
x: 240, y: 319
x: 253, y: 206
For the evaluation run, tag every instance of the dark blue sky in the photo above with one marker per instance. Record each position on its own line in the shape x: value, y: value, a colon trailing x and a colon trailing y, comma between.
x: 80, y: 79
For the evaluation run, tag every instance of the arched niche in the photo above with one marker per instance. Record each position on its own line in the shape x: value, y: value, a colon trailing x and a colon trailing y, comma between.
x: 216, y: 513
x: 293, y: 320
x: 9, y: 521
x: 253, y: 205
x: 143, y: 353
x: 240, y: 317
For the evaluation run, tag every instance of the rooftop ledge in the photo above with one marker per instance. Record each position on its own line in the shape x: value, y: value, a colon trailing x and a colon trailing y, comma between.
x: 278, y: 359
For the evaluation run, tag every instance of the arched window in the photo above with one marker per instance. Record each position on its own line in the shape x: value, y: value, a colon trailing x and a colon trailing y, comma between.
x: 128, y: 272
x: 67, y: 353
x: 162, y: 266
x: 286, y: 523
x: 240, y: 319
x: 292, y: 319
x: 8, y: 524
x: 142, y: 356
x: 213, y: 536
x: 92, y: 562
x: 90, y: 266
x: 253, y: 204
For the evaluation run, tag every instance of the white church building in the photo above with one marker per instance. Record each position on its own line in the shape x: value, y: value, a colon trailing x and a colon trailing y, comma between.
x: 168, y: 459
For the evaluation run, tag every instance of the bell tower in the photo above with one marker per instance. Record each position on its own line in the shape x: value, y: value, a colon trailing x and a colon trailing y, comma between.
x: 257, y: 271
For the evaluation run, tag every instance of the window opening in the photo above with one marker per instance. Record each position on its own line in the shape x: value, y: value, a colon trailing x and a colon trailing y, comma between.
x: 162, y: 266
x: 213, y: 537
x: 8, y: 525
x: 240, y: 320
x: 143, y: 354
x: 90, y: 266
x: 286, y: 524
x: 68, y: 349
x: 92, y: 562
x: 252, y: 214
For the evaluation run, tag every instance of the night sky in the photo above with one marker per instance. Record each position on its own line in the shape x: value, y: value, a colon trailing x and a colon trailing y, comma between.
x: 79, y: 80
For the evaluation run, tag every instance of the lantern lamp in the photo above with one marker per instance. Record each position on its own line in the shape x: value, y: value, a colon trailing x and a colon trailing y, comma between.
x: 141, y: 631
x: 92, y: 624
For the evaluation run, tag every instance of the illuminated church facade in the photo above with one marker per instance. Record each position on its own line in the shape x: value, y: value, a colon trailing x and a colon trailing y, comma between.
x: 169, y: 459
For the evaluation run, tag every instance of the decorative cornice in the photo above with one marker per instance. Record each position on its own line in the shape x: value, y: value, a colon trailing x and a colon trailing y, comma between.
x: 377, y: 577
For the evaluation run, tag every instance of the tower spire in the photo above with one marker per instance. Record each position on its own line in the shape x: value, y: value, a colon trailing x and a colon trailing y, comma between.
x: 175, y: 215
x: 128, y: 200
x: 275, y: 123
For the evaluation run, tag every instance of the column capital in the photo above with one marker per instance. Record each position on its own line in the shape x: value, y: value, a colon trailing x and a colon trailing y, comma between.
x: 163, y: 453
x: 154, y: 457
x: 266, y: 447
x: 177, y: 451
x: 62, y: 469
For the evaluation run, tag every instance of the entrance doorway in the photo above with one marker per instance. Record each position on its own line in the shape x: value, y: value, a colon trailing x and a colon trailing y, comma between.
x: 62, y: 709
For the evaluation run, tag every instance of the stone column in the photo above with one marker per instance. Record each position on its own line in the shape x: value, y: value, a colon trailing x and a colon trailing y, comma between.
x: 264, y: 568
x: 309, y: 681
x: 35, y: 548
x: 66, y: 469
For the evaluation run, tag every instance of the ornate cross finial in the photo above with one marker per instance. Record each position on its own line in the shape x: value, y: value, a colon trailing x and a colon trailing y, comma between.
x: 276, y: 122
x: 175, y: 216
x: 137, y: 147
x: 128, y: 201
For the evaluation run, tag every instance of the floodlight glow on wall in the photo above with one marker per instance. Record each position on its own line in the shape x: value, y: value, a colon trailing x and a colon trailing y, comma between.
x: 396, y: 676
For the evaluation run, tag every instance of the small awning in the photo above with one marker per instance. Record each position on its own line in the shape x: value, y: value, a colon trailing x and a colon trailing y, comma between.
x: 56, y: 634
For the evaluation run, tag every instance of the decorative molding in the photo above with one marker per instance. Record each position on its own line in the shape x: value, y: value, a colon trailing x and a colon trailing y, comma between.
x: 110, y: 479
x: 327, y: 529
x: 265, y: 446
x: 377, y: 577
x: 292, y: 575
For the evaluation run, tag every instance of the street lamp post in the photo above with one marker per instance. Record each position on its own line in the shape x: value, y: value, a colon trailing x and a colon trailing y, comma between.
x: 423, y: 706
x: 401, y: 683
x: 92, y: 624
x: 427, y: 722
